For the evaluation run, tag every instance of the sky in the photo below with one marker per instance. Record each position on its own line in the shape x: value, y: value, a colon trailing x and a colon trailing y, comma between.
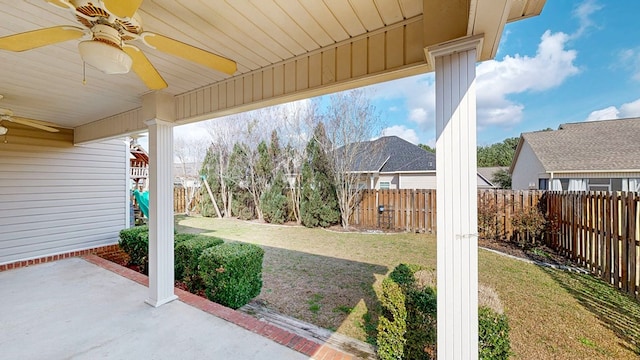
x: 577, y: 61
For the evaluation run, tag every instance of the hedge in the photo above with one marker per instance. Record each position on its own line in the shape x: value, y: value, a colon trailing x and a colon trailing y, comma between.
x: 419, y: 307
x: 135, y: 242
x: 232, y: 273
x: 493, y: 333
x: 187, y: 252
x: 392, y: 324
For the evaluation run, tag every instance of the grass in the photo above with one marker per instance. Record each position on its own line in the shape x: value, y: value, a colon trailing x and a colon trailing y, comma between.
x: 330, y: 279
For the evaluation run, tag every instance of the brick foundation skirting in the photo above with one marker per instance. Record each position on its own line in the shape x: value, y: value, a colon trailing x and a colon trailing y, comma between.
x: 100, y: 251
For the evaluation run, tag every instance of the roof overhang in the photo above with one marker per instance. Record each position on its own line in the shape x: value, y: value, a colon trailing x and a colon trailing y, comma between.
x: 287, y: 53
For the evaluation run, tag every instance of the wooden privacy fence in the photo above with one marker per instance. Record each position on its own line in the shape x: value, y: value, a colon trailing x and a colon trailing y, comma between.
x: 601, y: 232
x: 415, y: 210
x: 404, y: 210
x: 180, y: 200
x: 497, y: 208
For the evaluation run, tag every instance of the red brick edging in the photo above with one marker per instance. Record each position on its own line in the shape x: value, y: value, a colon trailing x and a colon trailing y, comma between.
x: 108, y: 249
x: 308, y: 347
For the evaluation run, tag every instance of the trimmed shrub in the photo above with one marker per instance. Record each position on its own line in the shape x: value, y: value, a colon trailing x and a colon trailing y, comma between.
x: 179, y: 238
x: 392, y: 324
x: 232, y: 273
x: 493, y: 334
x: 187, y: 253
x: 419, y: 341
x: 403, y: 275
x: 422, y: 316
x: 135, y: 242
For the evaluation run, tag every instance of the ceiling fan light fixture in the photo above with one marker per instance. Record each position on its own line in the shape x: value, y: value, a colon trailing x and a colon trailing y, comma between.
x: 3, y: 130
x: 104, y: 57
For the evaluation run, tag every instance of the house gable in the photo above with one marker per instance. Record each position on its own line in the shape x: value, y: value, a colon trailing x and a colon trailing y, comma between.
x: 526, y: 168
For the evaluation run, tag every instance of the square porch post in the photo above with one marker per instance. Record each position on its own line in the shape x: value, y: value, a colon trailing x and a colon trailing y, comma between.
x: 161, y: 256
x: 457, y: 238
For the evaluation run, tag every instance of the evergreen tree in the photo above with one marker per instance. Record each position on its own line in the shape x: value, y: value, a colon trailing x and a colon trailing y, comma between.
x: 242, y: 203
x: 502, y: 178
x: 319, y: 203
x: 274, y: 202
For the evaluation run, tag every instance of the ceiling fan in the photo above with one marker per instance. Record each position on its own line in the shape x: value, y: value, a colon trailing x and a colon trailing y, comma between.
x: 112, y: 24
x: 7, y: 115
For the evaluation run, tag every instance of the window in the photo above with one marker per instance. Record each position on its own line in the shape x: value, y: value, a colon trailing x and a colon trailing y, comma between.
x: 385, y: 185
x: 599, y: 184
x: 543, y: 184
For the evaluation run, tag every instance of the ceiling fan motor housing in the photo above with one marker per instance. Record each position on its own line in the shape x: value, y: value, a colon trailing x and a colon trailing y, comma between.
x: 104, y: 51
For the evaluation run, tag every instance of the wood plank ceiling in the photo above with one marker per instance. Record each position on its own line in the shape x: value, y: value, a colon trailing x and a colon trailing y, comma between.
x: 47, y: 83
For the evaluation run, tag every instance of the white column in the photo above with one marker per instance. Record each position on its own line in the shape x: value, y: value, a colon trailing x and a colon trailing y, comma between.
x: 455, y: 64
x: 161, y: 261
x: 127, y: 184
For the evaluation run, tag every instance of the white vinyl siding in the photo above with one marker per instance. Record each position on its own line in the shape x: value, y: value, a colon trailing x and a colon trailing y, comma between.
x: 418, y: 181
x: 60, y: 199
x: 527, y: 169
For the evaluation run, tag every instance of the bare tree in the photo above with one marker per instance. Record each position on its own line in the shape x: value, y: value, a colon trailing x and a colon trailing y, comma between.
x: 350, y: 121
x: 298, y: 121
x: 223, y: 133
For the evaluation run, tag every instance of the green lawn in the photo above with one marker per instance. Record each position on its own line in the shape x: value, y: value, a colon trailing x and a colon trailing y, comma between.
x: 330, y: 279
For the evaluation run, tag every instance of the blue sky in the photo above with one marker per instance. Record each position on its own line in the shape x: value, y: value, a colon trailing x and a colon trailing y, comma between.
x: 577, y: 61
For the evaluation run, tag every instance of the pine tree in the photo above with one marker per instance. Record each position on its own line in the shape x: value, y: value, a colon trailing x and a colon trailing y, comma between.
x: 319, y: 203
x: 242, y: 202
x: 274, y: 202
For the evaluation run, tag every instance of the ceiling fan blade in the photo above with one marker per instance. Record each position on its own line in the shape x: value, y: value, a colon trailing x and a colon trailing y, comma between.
x: 41, y: 122
x: 122, y: 8
x: 29, y: 122
x: 41, y: 37
x: 188, y: 52
x: 60, y: 3
x: 144, y: 69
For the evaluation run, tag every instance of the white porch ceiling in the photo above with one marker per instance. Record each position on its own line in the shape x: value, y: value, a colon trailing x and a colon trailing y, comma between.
x: 46, y: 83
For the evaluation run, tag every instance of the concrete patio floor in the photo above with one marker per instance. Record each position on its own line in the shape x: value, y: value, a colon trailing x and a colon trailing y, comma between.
x: 73, y: 309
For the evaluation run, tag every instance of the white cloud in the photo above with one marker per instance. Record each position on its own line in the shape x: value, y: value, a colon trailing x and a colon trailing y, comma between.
x: 610, y: 112
x: 402, y: 132
x: 496, y: 79
x: 418, y: 115
x: 630, y: 60
x: 583, y: 12
x: 626, y: 110
x: 418, y: 93
x: 552, y: 64
x: 631, y: 109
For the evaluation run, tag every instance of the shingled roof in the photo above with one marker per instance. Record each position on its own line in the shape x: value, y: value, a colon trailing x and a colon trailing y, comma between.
x: 390, y: 154
x: 596, y: 145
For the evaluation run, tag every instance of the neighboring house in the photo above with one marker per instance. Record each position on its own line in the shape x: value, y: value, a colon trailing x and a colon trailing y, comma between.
x: 393, y: 163
x: 390, y: 162
x: 594, y: 156
x: 486, y: 175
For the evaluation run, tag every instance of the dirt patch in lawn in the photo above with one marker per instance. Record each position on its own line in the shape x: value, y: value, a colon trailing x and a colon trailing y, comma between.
x: 540, y: 253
